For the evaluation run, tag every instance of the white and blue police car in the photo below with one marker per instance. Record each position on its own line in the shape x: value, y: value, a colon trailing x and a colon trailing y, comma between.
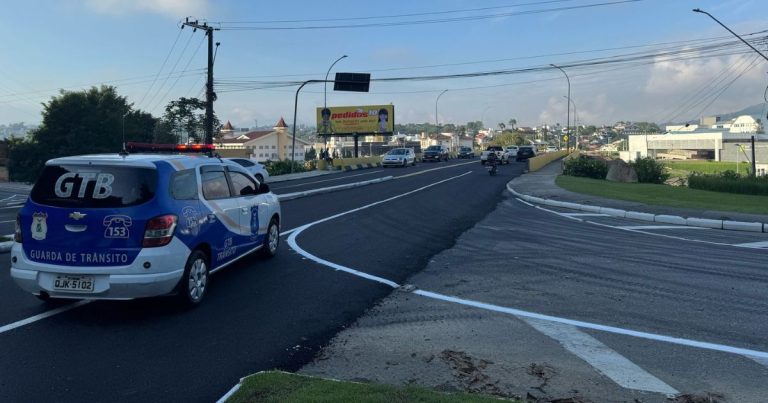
x: 124, y: 226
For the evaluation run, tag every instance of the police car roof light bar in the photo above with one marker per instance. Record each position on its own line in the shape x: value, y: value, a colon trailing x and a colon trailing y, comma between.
x: 179, y: 148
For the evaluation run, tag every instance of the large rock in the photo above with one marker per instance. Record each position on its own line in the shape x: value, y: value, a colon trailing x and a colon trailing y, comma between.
x: 620, y: 171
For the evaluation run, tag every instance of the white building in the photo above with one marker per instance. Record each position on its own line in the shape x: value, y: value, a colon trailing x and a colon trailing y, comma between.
x: 275, y: 144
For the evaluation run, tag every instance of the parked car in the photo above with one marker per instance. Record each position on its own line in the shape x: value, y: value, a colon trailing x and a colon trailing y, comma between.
x: 511, y: 151
x: 141, y: 225
x: 257, y: 169
x: 552, y: 149
x: 466, y: 152
x: 501, y: 155
x: 525, y: 152
x: 435, y: 153
x: 400, y: 157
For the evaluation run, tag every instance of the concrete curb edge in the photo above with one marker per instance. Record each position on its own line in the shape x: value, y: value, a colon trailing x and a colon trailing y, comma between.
x: 660, y: 218
x: 297, y: 195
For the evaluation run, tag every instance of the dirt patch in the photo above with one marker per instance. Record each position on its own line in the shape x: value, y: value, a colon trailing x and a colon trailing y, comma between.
x: 469, y: 372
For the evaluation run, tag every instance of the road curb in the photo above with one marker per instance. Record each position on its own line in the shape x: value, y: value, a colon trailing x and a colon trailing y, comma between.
x: 298, y: 195
x: 636, y: 215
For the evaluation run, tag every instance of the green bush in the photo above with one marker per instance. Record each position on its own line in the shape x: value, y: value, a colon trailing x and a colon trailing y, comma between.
x: 585, y: 167
x: 729, y: 182
x: 282, y: 167
x: 649, y: 170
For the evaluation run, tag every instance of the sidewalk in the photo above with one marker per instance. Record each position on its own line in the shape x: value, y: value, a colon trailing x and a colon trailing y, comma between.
x: 542, y: 184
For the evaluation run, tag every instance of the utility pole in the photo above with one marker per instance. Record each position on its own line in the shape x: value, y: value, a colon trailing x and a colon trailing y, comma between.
x: 210, y: 96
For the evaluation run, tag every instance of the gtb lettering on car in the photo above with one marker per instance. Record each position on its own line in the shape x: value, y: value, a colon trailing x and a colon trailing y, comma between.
x: 135, y: 225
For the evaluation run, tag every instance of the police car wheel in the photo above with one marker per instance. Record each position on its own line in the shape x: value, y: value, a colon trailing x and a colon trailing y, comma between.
x: 272, y: 240
x: 194, y: 284
x: 259, y: 178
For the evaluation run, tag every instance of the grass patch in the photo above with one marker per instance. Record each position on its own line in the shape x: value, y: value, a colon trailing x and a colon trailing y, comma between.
x: 664, y: 195
x: 284, y: 387
x: 682, y: 169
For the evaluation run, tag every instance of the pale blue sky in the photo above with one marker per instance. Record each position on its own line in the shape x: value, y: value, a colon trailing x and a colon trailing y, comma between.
x: 74, y: 44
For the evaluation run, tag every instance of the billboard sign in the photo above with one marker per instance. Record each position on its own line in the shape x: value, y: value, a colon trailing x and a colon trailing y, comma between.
x: 349, y: 120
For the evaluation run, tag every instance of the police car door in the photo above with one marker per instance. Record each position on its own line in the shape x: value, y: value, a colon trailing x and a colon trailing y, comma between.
x: 252, y: 215
x: 224, y: 213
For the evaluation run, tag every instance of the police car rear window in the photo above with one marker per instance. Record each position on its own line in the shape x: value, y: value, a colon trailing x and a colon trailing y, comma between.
x: 94, y: 186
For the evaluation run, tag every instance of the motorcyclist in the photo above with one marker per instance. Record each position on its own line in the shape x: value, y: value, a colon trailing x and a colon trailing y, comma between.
x: 492, y: 162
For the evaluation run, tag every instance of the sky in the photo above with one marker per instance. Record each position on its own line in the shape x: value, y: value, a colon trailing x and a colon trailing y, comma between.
x: 497, y: 55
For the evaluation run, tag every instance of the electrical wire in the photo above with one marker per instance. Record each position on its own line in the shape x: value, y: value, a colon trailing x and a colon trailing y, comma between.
x: 186, y: 67
x: 424, y: 22
x: 173, y: 69
x: 161, y: 69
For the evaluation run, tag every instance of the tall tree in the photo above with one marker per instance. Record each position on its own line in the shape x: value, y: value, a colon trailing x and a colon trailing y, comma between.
x: 512, y: 123
x: 186, y: 117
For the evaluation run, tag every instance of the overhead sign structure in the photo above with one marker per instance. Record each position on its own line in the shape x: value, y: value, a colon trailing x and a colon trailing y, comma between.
x: 355, y: 120
x: 356, y: 82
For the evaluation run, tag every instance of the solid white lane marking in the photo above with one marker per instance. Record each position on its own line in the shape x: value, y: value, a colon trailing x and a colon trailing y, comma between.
x: 565, y: 215
x: 12, y: 206
x: 754, y: 354
x: 6, y: 222
x: 231, y: 392
x: 299, y: 250
x: 524, y: 202
x: 624, y: 372
x: 641, y: 227
x: 660, y: 235
x: 762, y: 244
x: 432, y: 169
x: 46, y: 314
x: 603, y: 328
x: 586, y: 215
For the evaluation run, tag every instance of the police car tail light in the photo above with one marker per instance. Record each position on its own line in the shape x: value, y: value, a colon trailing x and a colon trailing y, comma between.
x: 17, y: 232
x: 159, y: 231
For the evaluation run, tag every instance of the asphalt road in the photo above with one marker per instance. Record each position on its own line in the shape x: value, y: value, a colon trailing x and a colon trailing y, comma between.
x: 258, y: 314
x: 446, y: 227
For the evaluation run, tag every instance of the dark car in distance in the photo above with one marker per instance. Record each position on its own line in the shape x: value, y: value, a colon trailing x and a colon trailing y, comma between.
x: 525, y: 152
x: 435, y: 153
x: 466, y: 152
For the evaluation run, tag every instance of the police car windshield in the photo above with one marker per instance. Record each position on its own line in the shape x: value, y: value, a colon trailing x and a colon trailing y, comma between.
x: 93, y: 186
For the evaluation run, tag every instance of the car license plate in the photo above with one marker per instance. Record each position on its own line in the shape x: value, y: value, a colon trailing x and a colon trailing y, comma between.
x: 73, y: 283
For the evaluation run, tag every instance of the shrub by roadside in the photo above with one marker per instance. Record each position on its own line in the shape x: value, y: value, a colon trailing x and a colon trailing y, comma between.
x: 649, y: 170
x: 284, y: 167
x: 586, y: 167
x: 729, y: 182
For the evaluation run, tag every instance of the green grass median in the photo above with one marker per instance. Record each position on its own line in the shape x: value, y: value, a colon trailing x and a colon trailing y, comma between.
x: 284, y: 387
x: 664, y: 195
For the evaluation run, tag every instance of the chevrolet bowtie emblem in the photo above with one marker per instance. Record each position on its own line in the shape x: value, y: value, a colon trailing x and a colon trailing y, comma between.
x: 76, y: 215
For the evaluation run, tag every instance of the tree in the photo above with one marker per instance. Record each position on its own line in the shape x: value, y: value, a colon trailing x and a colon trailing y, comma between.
x: 474, y: 127
x: 186, y: 116
x: 502, y: 126
x: 512, y: 122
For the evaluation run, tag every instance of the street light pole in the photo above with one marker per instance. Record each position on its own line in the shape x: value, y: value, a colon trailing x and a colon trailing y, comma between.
x: 437, y: 125
x: 295, y: 108
x: 325, y: 96
x: 568, y: 119
x: 325, y: 84
x: 575, y: 123
x: 698, y: 10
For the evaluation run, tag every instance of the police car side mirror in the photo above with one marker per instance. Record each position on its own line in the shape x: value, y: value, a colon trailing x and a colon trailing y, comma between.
x: 263, y: 188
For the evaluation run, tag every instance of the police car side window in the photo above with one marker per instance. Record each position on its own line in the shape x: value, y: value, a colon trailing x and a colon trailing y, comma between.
x: 215, y: 184
x: 184, y: 185
x: 242, y: 184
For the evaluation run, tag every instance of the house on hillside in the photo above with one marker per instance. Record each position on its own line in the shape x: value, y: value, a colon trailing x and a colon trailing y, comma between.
x: 275, y: 144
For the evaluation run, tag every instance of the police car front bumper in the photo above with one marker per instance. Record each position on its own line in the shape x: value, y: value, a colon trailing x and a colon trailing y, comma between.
x: 109, y: 282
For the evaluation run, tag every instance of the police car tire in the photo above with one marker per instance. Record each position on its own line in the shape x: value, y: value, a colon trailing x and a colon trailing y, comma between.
x: 201, y: 275
x: 259, y: 178
x: 270, y: 249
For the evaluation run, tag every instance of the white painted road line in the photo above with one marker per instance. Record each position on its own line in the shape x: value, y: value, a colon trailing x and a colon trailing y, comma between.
x: 643, y: 227
x: 610, y: 363
x: 759, y: 356
x: 33, y: 319
x: 524, y: 202
x: 757, y: 245
x: 566, y: 215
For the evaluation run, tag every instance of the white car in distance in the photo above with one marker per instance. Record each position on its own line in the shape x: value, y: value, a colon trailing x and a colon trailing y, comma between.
x: 399, y: 157
x: 258, y: 170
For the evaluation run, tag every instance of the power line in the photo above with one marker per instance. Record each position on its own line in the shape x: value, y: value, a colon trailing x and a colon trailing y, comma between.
x: 178, y: 59
x: 164, y: 97
x: 423, y: 22
x: 161, y: 69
